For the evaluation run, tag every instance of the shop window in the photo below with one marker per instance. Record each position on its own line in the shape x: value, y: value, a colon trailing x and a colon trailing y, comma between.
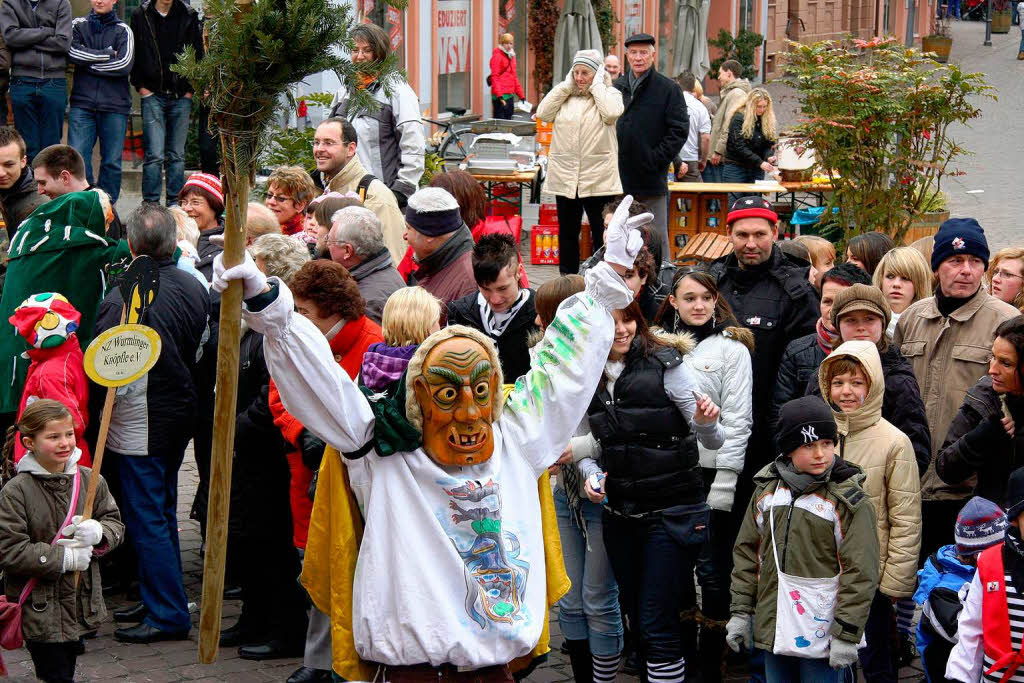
x: 746, y: 15
x: 389, y: 19
x: 512, y: 19
x: 454, y: 73
x: 632, y: 18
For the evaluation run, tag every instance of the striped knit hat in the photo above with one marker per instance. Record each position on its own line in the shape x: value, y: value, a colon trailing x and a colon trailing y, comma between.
x: 980, y: 524
x: 208, y: 182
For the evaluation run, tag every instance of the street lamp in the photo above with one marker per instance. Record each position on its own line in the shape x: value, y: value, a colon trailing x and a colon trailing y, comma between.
x: 988, y: 23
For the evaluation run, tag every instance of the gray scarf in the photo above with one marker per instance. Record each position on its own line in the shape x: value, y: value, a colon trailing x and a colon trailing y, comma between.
x: 800, y: 482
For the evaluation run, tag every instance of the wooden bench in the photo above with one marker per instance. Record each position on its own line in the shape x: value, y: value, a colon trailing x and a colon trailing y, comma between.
x: 704, y: 247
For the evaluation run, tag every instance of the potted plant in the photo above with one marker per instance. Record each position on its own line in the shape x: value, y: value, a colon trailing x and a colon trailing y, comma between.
x: 881, y: 119
x: 933, y: 212
x: 1002, y: 16
x: 939, y: 42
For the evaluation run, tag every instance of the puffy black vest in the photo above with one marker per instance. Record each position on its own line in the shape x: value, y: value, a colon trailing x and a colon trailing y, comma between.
x: 646, y: 444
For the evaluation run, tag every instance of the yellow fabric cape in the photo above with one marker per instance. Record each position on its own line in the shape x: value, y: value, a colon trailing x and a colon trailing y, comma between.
x: 328, y: 571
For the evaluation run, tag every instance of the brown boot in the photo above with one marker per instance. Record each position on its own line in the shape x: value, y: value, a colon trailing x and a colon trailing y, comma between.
x: 1020, y: 55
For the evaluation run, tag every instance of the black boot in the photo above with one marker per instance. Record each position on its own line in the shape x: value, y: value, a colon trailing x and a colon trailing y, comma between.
x: 712, y: 650
x: 580, y: 659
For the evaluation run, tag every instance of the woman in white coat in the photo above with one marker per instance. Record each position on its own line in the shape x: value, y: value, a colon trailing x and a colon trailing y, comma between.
x: 721, y: 362
x: 583, y: 164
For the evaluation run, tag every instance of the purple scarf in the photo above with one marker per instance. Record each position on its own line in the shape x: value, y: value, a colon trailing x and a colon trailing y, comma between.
x: 383, y: 364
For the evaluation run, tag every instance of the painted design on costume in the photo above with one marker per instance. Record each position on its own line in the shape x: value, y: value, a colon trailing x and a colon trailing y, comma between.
x: 561, y: 344
x: 495, y: 575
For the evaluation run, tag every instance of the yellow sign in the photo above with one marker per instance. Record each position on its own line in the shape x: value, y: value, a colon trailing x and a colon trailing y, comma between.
x: 122, y: 355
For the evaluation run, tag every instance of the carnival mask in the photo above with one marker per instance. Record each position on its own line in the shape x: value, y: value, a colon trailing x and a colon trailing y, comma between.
x: 45, y: 320
x: 456, y: 392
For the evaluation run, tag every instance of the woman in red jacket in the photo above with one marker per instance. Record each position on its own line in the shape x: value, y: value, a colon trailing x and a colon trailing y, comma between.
x: 504, y: 79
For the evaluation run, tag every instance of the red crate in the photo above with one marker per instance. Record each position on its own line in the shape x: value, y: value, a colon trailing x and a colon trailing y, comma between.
x: 548, y: 214
x: 544, y: 245
x: 500, y: 208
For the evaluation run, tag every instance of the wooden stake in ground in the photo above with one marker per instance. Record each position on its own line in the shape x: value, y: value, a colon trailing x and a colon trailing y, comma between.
x: 109, y: 365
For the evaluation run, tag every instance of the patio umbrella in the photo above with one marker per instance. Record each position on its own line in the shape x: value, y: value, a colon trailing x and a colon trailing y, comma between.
x: 577, y: 30
x: 690, y: 43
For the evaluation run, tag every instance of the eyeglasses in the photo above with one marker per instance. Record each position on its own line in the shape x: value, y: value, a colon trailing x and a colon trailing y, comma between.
x: 1005, y: 274
x: 326, y: 143
x: 279, y: 198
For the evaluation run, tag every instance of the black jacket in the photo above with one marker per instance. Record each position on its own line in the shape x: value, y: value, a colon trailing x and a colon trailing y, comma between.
x: 513, y: 349
x: 743, y: 151
x: 208, y: 251
x: 179, y: 28
x: 776, y: 302
x: 902, y: 405
x: 20, y: 200
x: 977, y: 444
x: 179, y: 315
x: 103, y: 51
x: 651, y: 130
x: 647, y: 447
x: 798, y: 367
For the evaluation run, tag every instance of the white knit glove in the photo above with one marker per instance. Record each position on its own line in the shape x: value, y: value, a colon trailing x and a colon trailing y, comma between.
x: 77, y: 555
x: 723, y: 490
x: 253, y: 279
x: 87, y: 532
x: 622, y: 240
x: 739, y: 633
x: 841, y: 653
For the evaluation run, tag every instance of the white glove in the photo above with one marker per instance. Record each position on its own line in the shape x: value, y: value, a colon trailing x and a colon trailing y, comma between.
x: 841, y: 653
x: 253, y: 279
x: 723, y: 490
x: 623, y: 241
x: 87, y: 532
x: 739, y: 634
x: 600, y: 75
x: 77, y: 555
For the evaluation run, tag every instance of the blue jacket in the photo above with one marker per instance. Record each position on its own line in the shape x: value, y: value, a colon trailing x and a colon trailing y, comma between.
x: 938, y: 587
x: 103, y: 50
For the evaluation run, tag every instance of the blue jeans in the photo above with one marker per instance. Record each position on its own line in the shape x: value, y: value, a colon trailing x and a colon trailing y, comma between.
x: 84, y: 126
x: 164, y: 129
x: 590, y: 610
x: 785, y: 669
x: 734, y: 173
x: 38, y: 105
x: 1022, y: 35
x: 149, y: 486
x: 712, y: 173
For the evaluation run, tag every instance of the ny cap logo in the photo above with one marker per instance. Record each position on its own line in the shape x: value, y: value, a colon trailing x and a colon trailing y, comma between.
x: 808, y: 434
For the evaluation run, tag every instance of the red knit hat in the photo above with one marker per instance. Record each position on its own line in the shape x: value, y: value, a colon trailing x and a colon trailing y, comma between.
x: 751, y: 206
x: 208, y: 182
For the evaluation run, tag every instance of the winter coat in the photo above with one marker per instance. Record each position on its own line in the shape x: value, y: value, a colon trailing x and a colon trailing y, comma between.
x: 901, y: 404
x: 182, y: 27
x: 377, y: 280
x: 32, y: 507
x: 208, y: 251
x: 892, y: 482
x: 976, y: 444
x: 157, y: 413
x: 391, y: 140
x: 504, y: 77
x: 653, y: 126
x: 729, y: 99
x: 828, y: 530
x: 747, y: 152
x: 5, y: 65
x: 778, y: 304
x: 448, y: 272
x: 59, y: 374
x: 584, y: 156
x: 948, y: 355
x: 797, y: 370
x: 77, y: 267
x: 38, y: 37
x: 21, y: 199
x: 103, y: 51
x: 379, y: 199
x: 513, y: 349
x: 939, y: 583
x: 348, y: 346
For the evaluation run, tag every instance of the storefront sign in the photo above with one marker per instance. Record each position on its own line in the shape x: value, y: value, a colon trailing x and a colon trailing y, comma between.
x: 633, y: 22
x: 453, y: 36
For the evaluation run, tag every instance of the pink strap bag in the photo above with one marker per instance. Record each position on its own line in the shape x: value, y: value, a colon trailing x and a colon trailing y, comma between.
x: 10, y: 612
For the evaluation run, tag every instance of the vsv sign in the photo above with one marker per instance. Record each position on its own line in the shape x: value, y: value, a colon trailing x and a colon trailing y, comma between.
x: 453, y: 36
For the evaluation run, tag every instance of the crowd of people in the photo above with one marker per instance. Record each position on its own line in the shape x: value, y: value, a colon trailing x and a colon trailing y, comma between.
x: 429, y: 453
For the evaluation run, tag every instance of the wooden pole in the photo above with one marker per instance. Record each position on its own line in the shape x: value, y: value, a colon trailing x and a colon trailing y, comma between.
x: 236, y: 195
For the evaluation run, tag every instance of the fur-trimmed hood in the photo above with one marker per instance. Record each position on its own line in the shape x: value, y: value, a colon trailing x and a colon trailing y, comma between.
x: 683, y: 342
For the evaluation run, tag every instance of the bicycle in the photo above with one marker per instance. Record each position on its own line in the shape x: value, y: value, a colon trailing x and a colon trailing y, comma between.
x: 453, y: 147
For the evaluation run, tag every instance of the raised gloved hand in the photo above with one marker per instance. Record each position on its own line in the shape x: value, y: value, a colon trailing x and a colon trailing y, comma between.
x: 622, y: 240
x: 77, y: 555
x: 253, y: 280
x: 723, y: 490
x: 601, y: 75
x: 739, y: 635
x: 312, y: 448
x: 86, y: 532
x: 841, y: 653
